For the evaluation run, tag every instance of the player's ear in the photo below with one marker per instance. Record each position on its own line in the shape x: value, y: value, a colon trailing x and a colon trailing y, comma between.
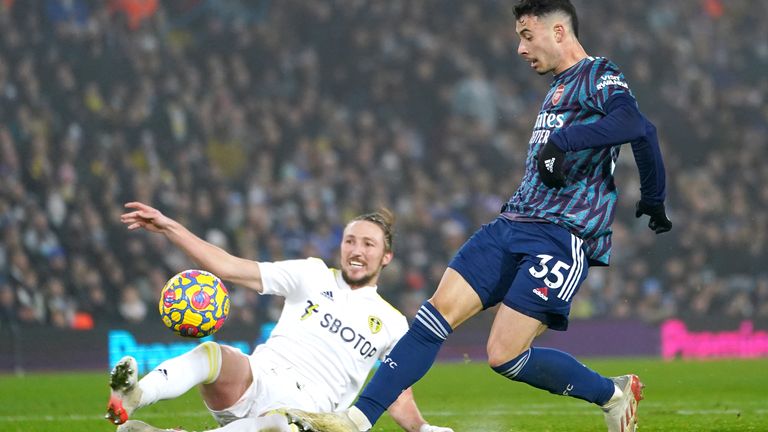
x: 559, y: 30
x: 387, y: 258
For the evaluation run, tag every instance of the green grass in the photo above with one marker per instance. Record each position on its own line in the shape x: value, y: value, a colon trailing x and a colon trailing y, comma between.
x: 680, y: 396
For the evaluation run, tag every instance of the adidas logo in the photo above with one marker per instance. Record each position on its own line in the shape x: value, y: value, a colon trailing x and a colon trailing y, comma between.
x: 541, y: 292
x: 550, y: 164
x: 328, y: 294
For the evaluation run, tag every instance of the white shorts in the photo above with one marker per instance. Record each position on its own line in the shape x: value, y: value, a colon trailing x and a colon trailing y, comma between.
x: 275, y: 385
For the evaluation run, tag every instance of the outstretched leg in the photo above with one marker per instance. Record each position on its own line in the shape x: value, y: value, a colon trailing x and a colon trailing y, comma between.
x: 206, y: 364
x: 140, y: 426
x: 558, y: 372
x: 125, y: 394
x: 267, y: 423
x: 510, y: 354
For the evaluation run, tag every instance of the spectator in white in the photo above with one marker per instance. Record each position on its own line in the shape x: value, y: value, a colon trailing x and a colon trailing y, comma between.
x: 132, y: 308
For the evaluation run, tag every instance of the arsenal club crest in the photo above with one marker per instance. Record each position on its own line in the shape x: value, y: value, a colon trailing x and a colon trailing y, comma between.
x: 558, y: 94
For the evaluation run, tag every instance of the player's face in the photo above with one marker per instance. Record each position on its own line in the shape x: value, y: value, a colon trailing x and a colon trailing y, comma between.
x: 362, y: 253
x: 538, y: 45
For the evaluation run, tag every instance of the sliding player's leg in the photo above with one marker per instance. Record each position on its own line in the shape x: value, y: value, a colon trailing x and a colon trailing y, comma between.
x: 268, y: 423
x: 231, y: 383
x: 273, y: 385
x: 174, y: 377
x: 243, y: 393
x: 125, y: 394
x: 140, y: 426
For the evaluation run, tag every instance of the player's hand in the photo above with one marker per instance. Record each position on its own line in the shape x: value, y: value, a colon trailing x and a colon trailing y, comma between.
x: 659, y: 221
x: 550, y: 165
x: 426, y: 427
x: 145, y: 217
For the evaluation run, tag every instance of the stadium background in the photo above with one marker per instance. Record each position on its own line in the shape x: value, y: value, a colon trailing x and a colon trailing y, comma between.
x: 263, y: 125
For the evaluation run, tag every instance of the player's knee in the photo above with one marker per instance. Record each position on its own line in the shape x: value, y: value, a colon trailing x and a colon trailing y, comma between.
x: 455, y: 299
x: 228, y: 351
x: 499, y: 354
x: 210, y: 348
x: 509, y: 366
x: 231, y: 382
x: 212, y: 354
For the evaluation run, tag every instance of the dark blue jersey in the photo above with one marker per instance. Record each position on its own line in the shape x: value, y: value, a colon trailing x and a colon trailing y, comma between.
x: 585, y: 206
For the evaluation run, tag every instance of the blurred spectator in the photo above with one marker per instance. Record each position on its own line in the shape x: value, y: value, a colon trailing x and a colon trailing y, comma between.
x: 60, y: 307
x: 131, y: 307
x: 8, y: 307
x: 135, y: 11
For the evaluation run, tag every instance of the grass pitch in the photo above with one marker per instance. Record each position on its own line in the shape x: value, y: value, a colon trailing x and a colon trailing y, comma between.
x: 725, y: 395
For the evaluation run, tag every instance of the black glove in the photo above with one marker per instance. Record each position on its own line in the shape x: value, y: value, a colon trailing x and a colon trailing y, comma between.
x: 659, y: 222
x: 550, y: 165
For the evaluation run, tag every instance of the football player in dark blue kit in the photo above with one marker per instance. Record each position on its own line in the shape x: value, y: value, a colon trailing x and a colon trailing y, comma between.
x: 535, y: 255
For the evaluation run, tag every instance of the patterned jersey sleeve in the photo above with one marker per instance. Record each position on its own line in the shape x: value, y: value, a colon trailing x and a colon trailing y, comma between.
x: 605, y: 80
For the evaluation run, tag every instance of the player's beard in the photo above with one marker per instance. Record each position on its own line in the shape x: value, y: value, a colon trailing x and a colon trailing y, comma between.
x: 361, y: 281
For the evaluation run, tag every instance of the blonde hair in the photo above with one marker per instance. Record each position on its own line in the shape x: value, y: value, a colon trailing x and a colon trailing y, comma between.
x: 385, y: 219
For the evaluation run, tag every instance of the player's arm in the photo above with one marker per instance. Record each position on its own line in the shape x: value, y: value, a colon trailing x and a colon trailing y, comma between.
x: 650, y: 164
x: 405, y: 413
x: 622, y: 123
x: 212, y: 258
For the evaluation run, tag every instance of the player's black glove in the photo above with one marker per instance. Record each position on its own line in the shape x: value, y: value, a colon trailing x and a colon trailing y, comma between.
x: 659, y: 222
x: 550, y: 165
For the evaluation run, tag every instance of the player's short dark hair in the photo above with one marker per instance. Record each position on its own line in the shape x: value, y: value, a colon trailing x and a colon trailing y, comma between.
x: 385, y: 219
x: 539, y: 8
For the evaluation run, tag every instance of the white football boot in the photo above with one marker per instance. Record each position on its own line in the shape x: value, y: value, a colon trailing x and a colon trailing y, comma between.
x: 125, y: 394
x: 274, y: 421
x: 140, y: 426
x: 621, y: 413
x: 305, y: 421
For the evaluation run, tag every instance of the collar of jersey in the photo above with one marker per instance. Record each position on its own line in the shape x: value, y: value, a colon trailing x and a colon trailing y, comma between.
x: 573, y: 70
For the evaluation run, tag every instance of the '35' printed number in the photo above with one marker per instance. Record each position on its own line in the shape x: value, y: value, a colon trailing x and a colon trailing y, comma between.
x: 545, y: 273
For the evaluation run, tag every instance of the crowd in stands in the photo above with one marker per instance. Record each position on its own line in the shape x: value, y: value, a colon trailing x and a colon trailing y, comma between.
x: 264, y: 125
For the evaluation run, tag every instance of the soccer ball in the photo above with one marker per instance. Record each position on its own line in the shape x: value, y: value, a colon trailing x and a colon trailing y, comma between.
x: 194, y: 303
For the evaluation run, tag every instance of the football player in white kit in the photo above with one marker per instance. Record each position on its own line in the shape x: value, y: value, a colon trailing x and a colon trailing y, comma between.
x: 333, y: 328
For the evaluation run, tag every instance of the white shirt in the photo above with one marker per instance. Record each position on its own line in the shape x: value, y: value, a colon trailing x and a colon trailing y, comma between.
x: 331, y: 334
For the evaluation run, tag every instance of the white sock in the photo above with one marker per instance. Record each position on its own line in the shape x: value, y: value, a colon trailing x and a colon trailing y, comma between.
x: 617, y: 394
x: 268, y: 423
x: 359, y: 419
x: 172, y: 378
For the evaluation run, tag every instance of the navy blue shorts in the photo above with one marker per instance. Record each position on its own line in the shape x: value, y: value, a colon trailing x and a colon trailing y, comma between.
x: 533, y: 267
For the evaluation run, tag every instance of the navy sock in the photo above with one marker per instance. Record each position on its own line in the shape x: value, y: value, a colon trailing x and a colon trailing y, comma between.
x: 409, y: 360
x: 558, y: 373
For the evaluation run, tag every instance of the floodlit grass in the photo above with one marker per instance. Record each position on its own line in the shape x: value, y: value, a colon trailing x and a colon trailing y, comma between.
x: 727, y: 395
